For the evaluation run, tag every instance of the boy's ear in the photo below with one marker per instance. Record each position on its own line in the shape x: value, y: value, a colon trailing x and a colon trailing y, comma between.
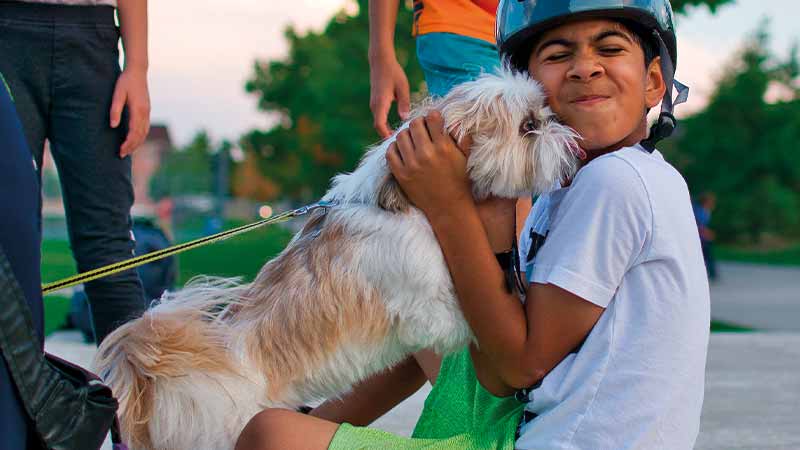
x: 655, y: 87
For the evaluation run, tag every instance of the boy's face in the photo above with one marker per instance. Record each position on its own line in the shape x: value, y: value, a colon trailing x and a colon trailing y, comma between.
x: 594, y: 74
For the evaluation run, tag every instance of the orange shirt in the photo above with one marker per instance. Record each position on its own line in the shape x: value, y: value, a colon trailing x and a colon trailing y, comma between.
x: 473, y: 18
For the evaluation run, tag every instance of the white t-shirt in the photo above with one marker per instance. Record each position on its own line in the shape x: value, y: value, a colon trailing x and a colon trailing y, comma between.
x: 623, y: 237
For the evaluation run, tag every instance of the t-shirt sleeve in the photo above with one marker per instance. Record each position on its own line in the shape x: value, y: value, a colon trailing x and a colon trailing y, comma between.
x: 598, y: 232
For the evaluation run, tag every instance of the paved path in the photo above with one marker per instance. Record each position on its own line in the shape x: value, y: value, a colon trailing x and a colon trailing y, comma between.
x: 752, y: 397
x: 762, y: 297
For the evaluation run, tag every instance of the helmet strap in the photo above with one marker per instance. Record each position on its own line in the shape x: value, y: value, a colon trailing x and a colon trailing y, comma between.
x: 666, y: 122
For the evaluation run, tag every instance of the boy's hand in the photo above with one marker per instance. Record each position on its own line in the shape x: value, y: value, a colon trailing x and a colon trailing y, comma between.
x: 131, y: 89
x: 388, y: 83
x: 431, y: 168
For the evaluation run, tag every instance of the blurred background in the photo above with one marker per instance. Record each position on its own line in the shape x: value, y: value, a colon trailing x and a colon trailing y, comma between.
x: 256, y: 105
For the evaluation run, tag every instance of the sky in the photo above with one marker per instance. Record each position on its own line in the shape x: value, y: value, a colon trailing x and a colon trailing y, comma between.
x: 202, y: 52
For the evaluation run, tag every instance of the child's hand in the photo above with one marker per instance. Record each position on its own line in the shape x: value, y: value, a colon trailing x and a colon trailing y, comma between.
x: 430, y: 167
x: 387, y: 83
x: 131, y: 89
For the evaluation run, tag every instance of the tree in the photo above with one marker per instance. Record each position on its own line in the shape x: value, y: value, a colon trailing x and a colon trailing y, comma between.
x: 681, y: 5
x: 743, y: 148
x: 320, y: 92
x: 185, y: 171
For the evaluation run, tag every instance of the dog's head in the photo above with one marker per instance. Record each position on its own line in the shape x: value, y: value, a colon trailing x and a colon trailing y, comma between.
x: 518, y: 145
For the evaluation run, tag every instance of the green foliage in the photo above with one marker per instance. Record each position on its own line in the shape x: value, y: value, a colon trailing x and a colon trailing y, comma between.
x: 681, y: 5
x: 743, y: 148
x: 185, y: 171
x: 786, y: 256
x: 321, y: 93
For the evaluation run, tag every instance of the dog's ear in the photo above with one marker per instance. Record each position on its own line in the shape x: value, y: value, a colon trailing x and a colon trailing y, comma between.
x: 390, y: 196
x: 471, y: 104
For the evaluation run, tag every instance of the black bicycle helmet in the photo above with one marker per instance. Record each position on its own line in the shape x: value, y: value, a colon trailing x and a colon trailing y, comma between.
x: 519, y: 21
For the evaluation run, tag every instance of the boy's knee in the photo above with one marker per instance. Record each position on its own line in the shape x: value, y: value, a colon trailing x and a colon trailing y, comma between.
x: 263, y: 431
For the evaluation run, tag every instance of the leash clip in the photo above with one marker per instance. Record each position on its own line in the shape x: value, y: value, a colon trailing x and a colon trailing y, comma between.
x: 320, y: 204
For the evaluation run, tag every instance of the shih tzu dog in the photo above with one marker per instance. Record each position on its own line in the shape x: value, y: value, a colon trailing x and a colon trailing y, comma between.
x: 357, y: 290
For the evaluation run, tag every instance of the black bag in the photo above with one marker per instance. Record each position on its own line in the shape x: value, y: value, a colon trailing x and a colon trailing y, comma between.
x: 69, y: 407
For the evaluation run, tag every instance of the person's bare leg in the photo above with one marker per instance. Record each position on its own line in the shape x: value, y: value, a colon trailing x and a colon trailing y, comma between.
x: 281, y: 429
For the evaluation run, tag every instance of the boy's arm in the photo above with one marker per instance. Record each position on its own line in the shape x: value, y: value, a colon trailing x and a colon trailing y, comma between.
x: 516, y: 348
x: 534, y: 337
x: 388, y: 82
x: 131, y: 88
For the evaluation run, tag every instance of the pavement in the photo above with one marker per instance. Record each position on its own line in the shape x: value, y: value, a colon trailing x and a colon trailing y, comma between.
x: 752, y: 397
x: 765, y: 298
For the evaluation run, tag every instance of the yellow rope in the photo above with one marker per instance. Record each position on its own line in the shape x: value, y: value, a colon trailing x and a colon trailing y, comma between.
x: 174, y: 250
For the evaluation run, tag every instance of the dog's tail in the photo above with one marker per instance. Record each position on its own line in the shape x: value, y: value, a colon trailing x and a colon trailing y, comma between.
x: 174, y: 372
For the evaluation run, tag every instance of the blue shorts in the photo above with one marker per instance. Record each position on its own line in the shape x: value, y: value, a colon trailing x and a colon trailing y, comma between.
x: 449, y: 59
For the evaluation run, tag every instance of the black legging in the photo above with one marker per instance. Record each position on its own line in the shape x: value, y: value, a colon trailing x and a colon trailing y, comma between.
x: 20, y: 238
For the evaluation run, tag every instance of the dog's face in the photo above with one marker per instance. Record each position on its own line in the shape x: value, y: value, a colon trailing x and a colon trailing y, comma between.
x: 518, y: 146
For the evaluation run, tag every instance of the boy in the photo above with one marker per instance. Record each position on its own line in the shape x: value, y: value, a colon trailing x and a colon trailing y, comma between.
x: 608, y: 351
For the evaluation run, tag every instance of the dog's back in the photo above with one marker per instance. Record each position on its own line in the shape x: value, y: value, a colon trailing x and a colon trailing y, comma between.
x: 176, y: 378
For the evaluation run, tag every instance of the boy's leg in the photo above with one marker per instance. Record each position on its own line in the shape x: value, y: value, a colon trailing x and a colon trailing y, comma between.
x: 278, y: 429
x: 711, y: 263
x: 96, y: 183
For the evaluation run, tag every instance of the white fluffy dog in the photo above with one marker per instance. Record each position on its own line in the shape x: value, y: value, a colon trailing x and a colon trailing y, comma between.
x: 357, y: 290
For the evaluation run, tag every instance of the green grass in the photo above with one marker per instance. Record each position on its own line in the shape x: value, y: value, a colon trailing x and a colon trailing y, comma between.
x: 240, y: 256
x: 720, y: 327
x: 56, y: 308
x: 789, y: 256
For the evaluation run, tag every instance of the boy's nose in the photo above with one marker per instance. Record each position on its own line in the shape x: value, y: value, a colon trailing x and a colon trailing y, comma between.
x: 584, y: 68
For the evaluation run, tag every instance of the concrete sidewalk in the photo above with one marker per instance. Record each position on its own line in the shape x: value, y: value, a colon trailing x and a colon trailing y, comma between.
x: 766, y: 298
x: 752, y: 396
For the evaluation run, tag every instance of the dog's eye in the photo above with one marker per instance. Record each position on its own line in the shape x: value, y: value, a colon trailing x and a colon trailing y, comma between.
x: 529, y: 125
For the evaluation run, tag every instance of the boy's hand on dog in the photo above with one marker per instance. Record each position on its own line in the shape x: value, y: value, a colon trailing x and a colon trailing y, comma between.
x: 430, y: 167
x: 432, y: 170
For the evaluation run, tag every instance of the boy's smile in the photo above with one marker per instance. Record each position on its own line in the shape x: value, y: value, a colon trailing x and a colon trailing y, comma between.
x: 594, y: 74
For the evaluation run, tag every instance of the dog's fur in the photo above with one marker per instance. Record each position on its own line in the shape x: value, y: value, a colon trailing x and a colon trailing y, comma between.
x: 357, y: 290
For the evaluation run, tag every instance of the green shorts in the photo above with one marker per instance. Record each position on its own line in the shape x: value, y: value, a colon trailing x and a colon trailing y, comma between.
x: 459, y: 414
